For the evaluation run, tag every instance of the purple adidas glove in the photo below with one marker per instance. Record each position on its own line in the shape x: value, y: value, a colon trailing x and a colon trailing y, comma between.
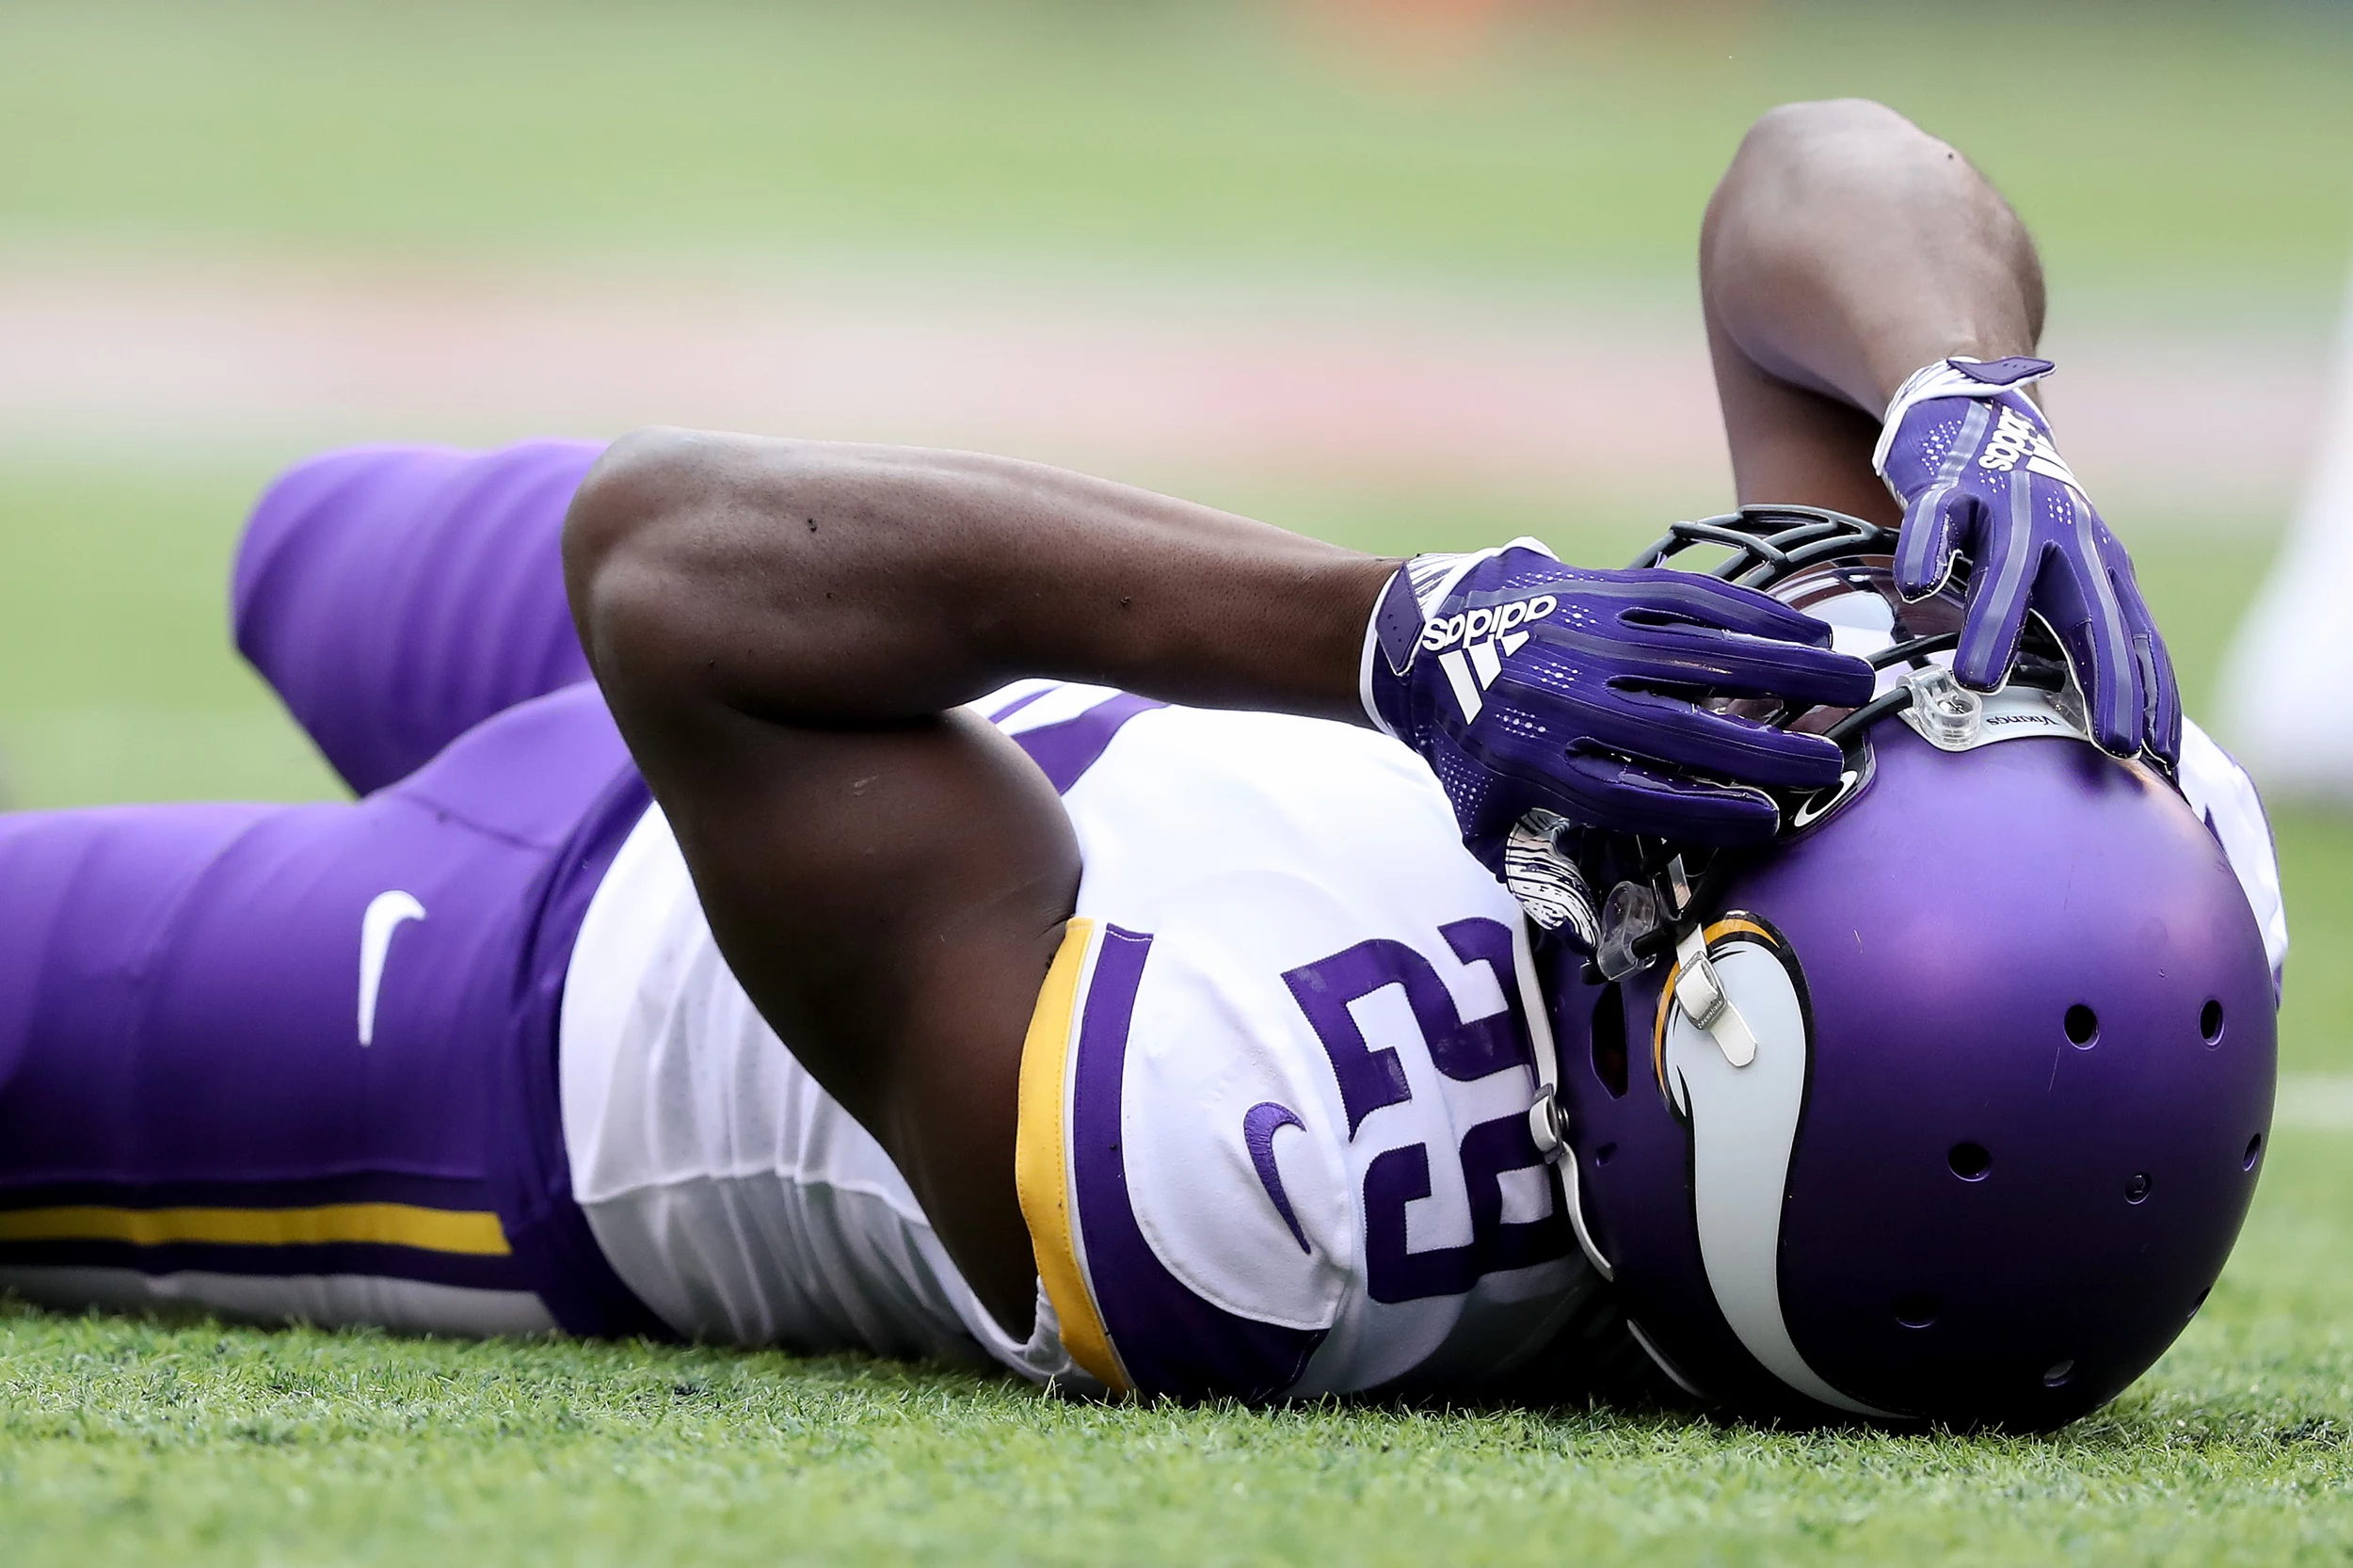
x: 1971, y: 458
x: 1529, y: 684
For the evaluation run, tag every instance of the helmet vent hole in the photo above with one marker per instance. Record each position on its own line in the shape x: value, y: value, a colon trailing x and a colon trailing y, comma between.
x: 2083, y: 1026
x: 2137, y: 1189
x: 1609, y: 1037
x: 2254, y: 1152
x: 2210, y: 1022
x: 2201, y: 1300
x: 2056, y: 1374
x: 1917, y: 1311
x: 1969, y: 1162
x: 1605, y: 1154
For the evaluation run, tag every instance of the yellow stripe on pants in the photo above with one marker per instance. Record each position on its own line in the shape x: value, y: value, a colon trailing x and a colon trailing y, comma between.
x: 395, y: 1224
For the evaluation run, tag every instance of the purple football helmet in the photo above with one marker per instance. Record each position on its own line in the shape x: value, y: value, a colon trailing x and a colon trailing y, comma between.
x: 1947, y: 1106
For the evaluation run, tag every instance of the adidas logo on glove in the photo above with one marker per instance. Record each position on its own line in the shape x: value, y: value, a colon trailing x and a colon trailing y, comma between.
x: 1523, y: 683
x: 1486, y: 636
x: 1498, y: 620
x: 2015, y: 438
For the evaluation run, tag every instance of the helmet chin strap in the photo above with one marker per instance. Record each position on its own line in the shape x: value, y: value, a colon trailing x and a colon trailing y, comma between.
x: 1704, y: 1003
x: 1547, y: 1123
x: 1697, y: 986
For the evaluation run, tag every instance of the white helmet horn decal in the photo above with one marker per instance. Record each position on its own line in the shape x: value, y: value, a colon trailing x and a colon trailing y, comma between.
x: 1744, y: 1128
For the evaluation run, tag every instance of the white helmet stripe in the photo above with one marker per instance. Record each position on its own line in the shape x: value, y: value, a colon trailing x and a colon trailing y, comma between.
x: 1744, y: 1126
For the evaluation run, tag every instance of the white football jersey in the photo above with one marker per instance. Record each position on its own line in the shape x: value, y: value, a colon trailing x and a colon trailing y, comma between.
x: 1275, y: 1101
x: 1274, y: 1133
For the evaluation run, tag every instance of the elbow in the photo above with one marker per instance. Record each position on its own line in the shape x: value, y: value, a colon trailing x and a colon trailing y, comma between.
x: 623, y: 499
x: 1796, y: 131
x: 1796, y: 156
x: 1806, y: 171
x: 670, y: 564
x: 626, y: 534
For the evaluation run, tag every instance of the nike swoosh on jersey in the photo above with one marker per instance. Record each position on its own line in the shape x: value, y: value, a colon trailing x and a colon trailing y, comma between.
x: 385, y: 912
x: 1260, y: 1125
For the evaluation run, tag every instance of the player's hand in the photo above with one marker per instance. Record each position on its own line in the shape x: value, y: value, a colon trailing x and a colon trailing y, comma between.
x: 1525, y: 684
x: 1971, y: 458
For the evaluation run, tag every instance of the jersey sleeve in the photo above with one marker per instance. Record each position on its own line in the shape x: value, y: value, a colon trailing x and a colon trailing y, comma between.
x: 1259, y: 1293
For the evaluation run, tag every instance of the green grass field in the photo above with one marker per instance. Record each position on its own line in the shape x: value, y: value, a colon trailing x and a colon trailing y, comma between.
x: 2153, y: 144
x: 2186, y: 157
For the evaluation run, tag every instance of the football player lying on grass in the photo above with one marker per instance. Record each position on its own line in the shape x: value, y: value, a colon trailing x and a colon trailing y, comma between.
x: 980, y: 910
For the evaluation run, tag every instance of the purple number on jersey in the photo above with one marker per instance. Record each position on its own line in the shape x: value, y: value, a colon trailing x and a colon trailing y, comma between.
x: 1462, y: 1050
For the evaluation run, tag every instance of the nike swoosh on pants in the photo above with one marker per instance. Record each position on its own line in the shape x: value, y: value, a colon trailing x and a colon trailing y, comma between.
x: 385, y: 912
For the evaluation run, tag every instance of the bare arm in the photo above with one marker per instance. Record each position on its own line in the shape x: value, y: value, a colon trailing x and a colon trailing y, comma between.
x: 949, y: 573
x: 783, y: 630
x: 1843, y: 249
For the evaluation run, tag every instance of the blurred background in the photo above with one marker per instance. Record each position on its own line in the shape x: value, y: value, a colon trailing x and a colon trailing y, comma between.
x: 1406, y: 273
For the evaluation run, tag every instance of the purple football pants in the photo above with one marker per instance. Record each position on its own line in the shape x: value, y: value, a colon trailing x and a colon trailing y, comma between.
x: 300, y: 1061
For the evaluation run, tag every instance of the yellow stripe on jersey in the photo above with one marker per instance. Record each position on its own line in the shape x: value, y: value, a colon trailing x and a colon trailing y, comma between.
x: 395, y: 1224
x: 1042, y: 1156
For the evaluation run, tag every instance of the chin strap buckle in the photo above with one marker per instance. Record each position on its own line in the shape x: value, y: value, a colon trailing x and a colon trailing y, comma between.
x: 1702, y: 995
x: 1547, y: 1119
x: 1549, y: 1123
